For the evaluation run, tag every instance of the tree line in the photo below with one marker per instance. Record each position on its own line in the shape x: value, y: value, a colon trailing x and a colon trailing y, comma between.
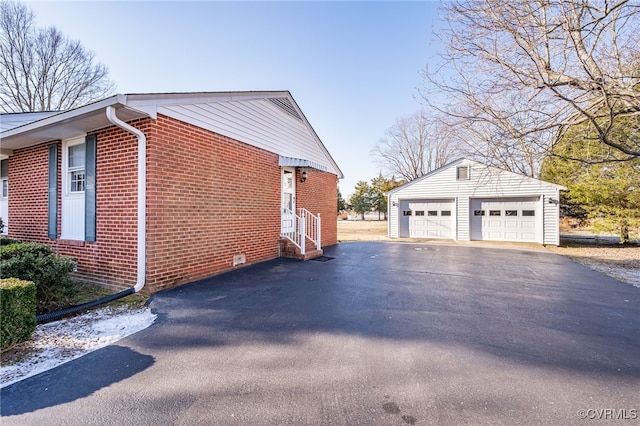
x: 370, y: 196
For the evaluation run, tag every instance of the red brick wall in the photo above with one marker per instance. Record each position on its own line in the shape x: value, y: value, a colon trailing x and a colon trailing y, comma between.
x: 209, y: 198
x: 28, y: 191
x: 111, y: 260
x: 319, y: 194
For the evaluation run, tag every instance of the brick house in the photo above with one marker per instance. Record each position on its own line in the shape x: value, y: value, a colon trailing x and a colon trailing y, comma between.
x: 163, y: 189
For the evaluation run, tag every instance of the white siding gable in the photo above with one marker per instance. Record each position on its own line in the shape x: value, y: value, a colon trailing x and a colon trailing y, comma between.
x: 258, y: 122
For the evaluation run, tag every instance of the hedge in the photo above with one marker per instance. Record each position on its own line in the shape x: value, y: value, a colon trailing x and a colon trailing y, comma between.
x: 17, y: 311
x: 41, y: 265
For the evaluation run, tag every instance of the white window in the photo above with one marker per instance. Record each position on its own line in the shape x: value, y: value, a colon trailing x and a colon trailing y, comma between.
x: 462, y: 173
x: 4, y: 178
x: 75, y: 167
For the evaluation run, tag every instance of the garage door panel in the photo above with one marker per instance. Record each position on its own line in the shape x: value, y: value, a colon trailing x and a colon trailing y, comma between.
x: 430, y: 218
x: 507, y: 219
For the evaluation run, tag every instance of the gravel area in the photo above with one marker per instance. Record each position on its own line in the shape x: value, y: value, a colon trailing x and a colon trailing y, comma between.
x: 58, y: 342
x: 620, y: 262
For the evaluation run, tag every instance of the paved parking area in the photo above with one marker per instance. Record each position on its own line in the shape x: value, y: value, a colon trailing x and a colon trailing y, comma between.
x: 384, y: 333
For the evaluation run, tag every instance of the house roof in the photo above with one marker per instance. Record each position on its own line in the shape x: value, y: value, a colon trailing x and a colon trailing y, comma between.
x: 460, y: 161
x: 271, y: 120
x: 11, y: 120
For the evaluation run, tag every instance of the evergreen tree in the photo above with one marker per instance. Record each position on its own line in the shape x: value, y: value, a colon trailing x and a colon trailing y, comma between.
x: 361, y: 199
x: 608, y: 191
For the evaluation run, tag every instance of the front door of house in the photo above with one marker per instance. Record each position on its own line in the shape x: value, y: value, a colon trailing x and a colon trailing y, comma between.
x: 288, y: 199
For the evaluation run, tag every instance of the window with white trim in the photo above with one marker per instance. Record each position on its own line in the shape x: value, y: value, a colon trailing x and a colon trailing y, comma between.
x: 75, y: 168
x: 4, y: 178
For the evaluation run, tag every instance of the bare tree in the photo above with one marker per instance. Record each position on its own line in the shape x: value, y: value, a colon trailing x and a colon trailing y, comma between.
x: 489, y: 131
x: 520, y: 73
x: 413, y: 147
x: 41, y: 69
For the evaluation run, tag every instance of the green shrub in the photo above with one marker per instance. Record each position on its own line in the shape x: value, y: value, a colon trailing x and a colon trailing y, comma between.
x: 17, y: 311
x: 39, y: 264
x: 4, y: 241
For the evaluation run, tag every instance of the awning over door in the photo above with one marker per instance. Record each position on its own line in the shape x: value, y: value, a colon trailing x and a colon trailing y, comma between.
x: 298, y: 162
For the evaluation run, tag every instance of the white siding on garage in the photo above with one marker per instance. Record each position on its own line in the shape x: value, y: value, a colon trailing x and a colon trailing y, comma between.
x: 483, y: 182
x: 551, y: 215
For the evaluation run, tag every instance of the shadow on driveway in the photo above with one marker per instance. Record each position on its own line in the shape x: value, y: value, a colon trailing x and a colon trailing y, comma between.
x: 74, y: 380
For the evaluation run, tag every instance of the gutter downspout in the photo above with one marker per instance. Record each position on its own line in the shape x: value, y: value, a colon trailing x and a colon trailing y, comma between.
x: 142, y: 234
x: 142, y: 194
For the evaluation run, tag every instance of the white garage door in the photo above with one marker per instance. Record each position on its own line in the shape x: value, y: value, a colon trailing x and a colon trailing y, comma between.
x: 427, y: 219
x: 505, y: 219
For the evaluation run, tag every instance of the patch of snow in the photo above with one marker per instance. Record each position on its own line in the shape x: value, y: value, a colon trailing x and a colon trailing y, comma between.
x: 59, y: 342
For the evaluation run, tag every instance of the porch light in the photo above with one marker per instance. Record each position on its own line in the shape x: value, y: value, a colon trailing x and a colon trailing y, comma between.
x: 303, y: 176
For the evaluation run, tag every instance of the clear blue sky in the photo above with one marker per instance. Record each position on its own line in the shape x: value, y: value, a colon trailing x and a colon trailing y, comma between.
x: 353, y: 67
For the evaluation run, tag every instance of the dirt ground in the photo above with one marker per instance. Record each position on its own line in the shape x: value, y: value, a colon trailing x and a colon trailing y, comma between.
x: 620, y: 262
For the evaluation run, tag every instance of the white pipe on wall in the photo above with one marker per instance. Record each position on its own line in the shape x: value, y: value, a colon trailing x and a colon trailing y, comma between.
x: 142, y: 194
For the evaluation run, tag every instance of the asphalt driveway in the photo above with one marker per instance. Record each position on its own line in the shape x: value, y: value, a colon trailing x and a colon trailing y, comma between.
x: 384, y: 333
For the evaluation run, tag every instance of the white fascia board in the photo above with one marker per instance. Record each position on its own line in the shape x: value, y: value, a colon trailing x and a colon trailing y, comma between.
x: 66, y: 115
x: 77, y: 121
x: 316, y: 137
x: 137, y: 100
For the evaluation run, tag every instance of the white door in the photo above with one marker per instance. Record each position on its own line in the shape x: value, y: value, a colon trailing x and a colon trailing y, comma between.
x: 288, y: 200
x: 505, y: 219
x: 427, y: 219
x: 73, y: 183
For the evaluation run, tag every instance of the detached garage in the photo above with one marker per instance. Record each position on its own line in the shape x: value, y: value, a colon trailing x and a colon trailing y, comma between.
x: 466, y: 200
